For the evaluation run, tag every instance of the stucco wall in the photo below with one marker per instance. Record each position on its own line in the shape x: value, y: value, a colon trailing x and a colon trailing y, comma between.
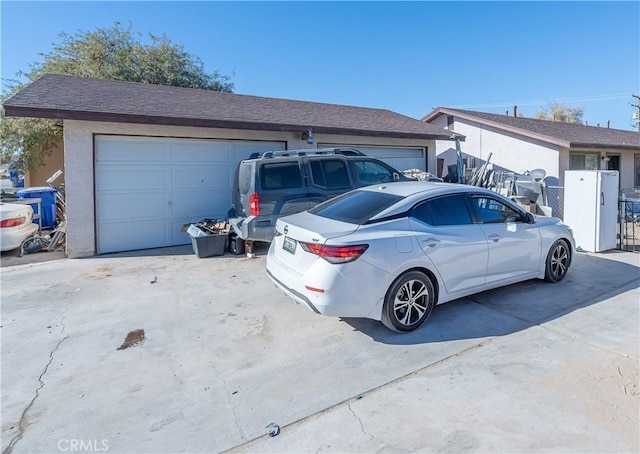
x: 627, y: 168
x: 519, y: 153
x: 508, y: 151
x: 79, y: 163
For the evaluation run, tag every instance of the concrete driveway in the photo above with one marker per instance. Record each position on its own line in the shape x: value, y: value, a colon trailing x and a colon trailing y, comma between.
x: 533, y: 367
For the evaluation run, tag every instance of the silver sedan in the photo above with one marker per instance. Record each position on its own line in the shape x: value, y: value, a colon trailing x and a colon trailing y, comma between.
x: 391, y: 252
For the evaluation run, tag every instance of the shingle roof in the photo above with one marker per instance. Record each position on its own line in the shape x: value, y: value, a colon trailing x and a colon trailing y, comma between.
x: 69, y: 97
x: 562, y: 134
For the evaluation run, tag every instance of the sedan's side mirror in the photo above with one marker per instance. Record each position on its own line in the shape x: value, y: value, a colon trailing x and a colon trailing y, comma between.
x: 396, y: 177
x: 529, y: 218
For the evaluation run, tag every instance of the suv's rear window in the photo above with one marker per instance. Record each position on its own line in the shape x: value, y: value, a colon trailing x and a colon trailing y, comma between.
x: 244, y: 177
x: 285, y: 175
x: 355, y: 207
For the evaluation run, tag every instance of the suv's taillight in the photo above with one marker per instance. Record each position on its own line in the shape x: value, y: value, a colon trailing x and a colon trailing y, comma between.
x: 335, y: 254
x: 254, y: 204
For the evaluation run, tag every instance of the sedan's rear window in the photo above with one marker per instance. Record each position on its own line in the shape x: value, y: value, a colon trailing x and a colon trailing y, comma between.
x: 355, y: 207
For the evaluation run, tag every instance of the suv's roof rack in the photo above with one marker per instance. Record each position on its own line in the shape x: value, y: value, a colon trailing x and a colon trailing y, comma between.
x: 307, y: 152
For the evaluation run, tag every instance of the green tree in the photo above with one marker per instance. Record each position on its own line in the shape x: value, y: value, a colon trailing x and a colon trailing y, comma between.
x: 106, y: 53
x: 561, y: 112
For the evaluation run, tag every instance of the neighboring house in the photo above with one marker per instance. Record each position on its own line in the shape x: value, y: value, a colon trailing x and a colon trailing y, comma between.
x: 519, y: 144
x: 141, y: 160
x: 51, y: 162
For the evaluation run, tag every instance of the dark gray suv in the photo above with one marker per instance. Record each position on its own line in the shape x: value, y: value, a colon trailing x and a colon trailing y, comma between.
x: 276, y: 184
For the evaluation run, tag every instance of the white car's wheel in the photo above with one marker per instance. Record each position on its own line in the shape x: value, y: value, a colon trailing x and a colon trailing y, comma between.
x: 558, y: 261
x: 408, y: 302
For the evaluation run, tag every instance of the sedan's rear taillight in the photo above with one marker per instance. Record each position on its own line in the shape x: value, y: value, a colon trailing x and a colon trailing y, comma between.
x: 13, y: 222
x: 254, y: 204
x: 335, y: 254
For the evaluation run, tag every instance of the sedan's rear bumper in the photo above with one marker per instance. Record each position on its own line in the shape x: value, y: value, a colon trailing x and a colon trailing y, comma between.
x: 332, y: 290
x: 12, y: 237
x: 296, y: 296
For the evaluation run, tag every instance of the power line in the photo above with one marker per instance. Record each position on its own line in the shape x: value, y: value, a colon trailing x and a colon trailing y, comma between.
x: 544, y: 101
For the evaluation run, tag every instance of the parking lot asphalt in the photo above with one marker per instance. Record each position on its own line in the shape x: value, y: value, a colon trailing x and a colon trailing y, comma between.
x: 533, y: 367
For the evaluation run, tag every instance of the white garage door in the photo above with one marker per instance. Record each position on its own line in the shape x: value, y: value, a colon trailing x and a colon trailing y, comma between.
x: 147, y: 188
x: 401, y: 158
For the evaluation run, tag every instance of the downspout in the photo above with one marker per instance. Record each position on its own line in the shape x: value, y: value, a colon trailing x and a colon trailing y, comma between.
x: 458, y: 157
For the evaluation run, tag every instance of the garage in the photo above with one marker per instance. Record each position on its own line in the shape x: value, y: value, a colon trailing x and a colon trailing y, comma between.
x: 402, y: 158
x: 141, y: 160
x: 147, y: 188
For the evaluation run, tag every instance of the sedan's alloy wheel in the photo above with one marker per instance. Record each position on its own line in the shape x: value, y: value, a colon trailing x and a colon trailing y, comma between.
x: 408, y: 302
x: 558, y: 261
x: 411, y: 302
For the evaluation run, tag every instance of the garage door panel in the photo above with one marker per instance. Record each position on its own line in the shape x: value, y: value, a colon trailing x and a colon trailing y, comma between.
x: 401, y: 158
x: 120, y: 206
x: 179, y: 237
x: 395, y: 153
x: 120, y: 178
x: 201, y: 177
x: 204, y: 204
x: 243, y: 150
x: 131, y: 150
x: 131, y: 235
x: 191, y: 204
x: 148, y: 188
x: 195, y: 151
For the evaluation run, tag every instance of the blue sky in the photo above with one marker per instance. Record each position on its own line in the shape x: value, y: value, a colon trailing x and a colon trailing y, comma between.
x: 408, y: 57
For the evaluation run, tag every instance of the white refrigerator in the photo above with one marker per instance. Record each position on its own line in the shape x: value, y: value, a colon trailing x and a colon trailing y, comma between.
x: 591, y: 208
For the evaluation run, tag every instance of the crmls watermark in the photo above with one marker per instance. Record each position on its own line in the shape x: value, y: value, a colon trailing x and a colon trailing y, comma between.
x: 75, y: 445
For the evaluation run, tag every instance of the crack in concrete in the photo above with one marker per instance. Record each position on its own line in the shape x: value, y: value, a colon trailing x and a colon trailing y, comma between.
x: 22, y: 425
x: 233, y: 407
x: 372, y: 390
x: 361, y: 425
x: 372, y: 437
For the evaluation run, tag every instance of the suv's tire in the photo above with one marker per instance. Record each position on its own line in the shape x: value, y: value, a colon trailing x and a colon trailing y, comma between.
x: 236, y: 245
x: 408, y: 302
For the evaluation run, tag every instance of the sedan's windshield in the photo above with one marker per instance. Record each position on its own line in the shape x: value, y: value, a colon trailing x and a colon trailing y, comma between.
x: 355, y: 207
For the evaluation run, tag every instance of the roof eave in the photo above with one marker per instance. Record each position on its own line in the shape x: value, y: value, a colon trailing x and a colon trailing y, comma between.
x: 433, y: 114
x: 600, y: 146
x: 61, y: 114
x: 520, y: 131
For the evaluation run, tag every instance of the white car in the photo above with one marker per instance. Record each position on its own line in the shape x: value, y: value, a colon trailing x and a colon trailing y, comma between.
x: 391, y: 252
x: 16, y: 224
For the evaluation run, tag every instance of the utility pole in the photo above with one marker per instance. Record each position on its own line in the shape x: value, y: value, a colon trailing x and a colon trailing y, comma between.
x: 637, y: 111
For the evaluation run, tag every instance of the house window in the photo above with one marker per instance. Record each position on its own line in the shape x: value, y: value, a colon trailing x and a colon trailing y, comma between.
x: 636, y: 172
x: 584, y: 161
x: 450, y: 122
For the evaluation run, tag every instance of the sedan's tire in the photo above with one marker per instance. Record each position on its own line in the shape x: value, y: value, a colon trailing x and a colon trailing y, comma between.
x: 558, y: 261
x: 408, y: 302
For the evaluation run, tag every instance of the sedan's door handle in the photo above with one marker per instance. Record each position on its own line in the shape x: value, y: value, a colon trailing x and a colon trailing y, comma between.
x: 431, y: 242
x: 495, y: 237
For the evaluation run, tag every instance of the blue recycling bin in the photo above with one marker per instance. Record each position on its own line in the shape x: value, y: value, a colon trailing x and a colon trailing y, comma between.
x: 48, y: 197
x: 16, y: 179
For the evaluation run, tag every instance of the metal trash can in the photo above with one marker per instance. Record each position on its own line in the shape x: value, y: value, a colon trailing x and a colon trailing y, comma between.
x: 48, y: 197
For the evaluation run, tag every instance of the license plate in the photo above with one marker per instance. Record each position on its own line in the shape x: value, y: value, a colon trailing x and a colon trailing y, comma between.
x: 289, y: 245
